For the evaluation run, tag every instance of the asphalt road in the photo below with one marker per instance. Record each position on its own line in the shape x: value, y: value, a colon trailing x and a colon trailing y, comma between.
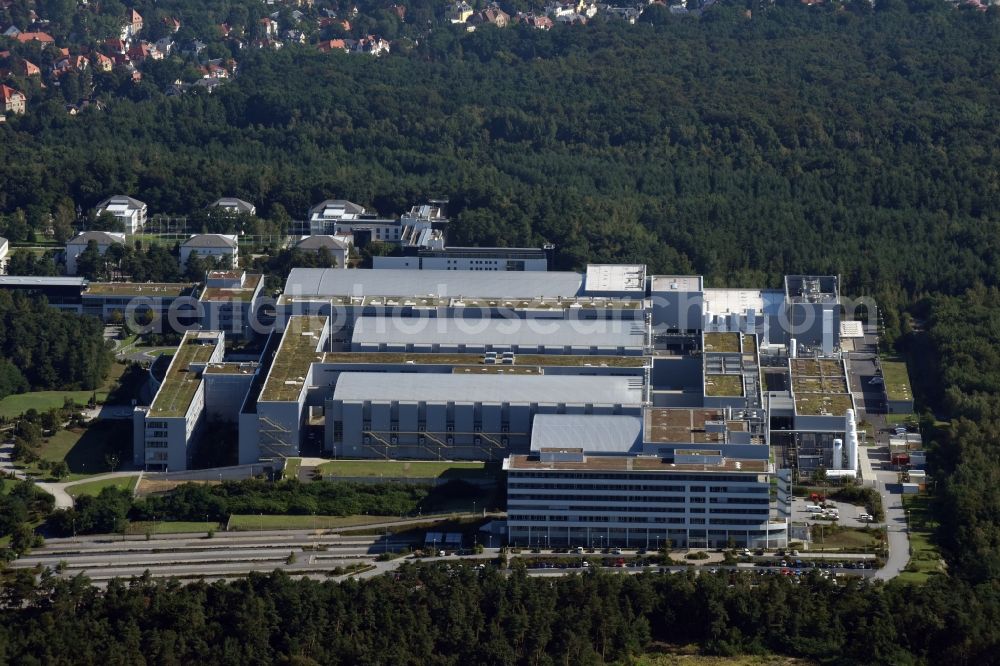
x: 313, y: 554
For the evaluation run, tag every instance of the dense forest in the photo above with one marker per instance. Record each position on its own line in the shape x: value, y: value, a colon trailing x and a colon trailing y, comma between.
x: 42, y: 348
x: 736, y: 147
x: 835, y: 138
x: 459, y: 615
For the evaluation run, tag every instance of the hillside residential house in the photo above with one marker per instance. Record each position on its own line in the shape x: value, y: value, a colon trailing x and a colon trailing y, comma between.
x: 332, y: 45
x: 101, y: 62
x: 133, y: 25
x: 459, y: 12
x: 492, y: 15
x: 43, y: 37
x: 4, y: 252
x: 339, y: 247
x: 76, y: 246
x: 13, y: 101
x: 131, y: 212
x: 234, y: 205
x: 26, y: 68
x: 222, y: 246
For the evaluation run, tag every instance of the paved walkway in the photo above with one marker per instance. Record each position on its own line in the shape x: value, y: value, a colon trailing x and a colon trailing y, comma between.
x: 7, y: 461
x: 60, y: 490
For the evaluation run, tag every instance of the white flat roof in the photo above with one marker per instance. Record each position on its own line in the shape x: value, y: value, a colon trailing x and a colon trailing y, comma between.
x: 305, y: 282
x: 852, y: 329
x: 594, y: 433
x: 492, y: 388
x: 676, y: 283
x: 611, y: 333
x: 616, y: 278
x: 728, y: 301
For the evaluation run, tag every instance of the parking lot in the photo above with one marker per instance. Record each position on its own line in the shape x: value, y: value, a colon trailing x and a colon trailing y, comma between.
x: 848, y: 513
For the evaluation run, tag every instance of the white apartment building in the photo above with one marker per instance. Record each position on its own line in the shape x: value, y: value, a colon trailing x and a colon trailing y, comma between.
x: 131, y: 212
x: 76, y: 245
x: 224, y: 247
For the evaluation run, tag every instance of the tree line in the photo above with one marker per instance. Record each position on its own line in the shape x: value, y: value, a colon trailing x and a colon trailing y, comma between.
x: 109, y: 511
x: 42, y: 348
x: 436, y: 614
x: 733, y: 147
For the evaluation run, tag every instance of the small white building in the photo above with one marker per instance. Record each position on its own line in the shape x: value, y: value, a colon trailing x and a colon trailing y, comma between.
x: 338, y: 247
x: 337, y: 216
x: 234, y: 205
x: 131, y: 212
x: 224, y: 247
x: 4, y: 252
x: 76, y: 245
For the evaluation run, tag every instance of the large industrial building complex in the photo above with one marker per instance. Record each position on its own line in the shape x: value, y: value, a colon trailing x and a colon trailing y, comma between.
x: 626, y: 408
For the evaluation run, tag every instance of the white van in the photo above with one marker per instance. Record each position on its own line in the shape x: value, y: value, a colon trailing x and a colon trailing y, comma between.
x: 814, y: 508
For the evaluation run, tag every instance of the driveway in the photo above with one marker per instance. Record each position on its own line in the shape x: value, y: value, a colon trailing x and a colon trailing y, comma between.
x: 895, y: 523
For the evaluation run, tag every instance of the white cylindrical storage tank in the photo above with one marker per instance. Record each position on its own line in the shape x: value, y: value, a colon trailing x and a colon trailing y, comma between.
x: 793, y: 348
x: 852, y: 440
x: 838, y: 454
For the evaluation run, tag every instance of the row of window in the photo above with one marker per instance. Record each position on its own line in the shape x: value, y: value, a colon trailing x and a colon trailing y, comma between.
x: 662, y: 499
x: 536, y: 518
x: 421, y: 426
x: 631, y: 476
x: 758, y: 489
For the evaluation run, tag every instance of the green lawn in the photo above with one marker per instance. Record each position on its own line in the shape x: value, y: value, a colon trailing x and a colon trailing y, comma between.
x: 925, y: 558
x: 405, y: 469
x: 95, y: 487
x: 43, y: 401
x: 249, y: 523
x: 15, y: 405
x: 86, y: 450
x: 897, y: 379
x: 172, y: 527
x: 909, y: 420
x: 291, y: 470
x: 847, y: 539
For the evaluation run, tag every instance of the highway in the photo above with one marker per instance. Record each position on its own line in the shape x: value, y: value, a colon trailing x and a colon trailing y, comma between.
x: 226, y: 555
x: 307, y: 553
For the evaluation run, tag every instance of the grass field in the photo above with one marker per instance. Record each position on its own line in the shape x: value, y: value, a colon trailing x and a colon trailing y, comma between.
x: 405, y: 469
x: 689, y: 657
x: 95, y: 487
x: 43, y: 401
x: 172, y: 527
x: 897, y: 379
x: 909, y: 420
x: 248, y: 523
x: 15, y: 405
x: 925, y: 558
x: 846, y: 539
x: 86, y: 450
x: 291, y: 470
